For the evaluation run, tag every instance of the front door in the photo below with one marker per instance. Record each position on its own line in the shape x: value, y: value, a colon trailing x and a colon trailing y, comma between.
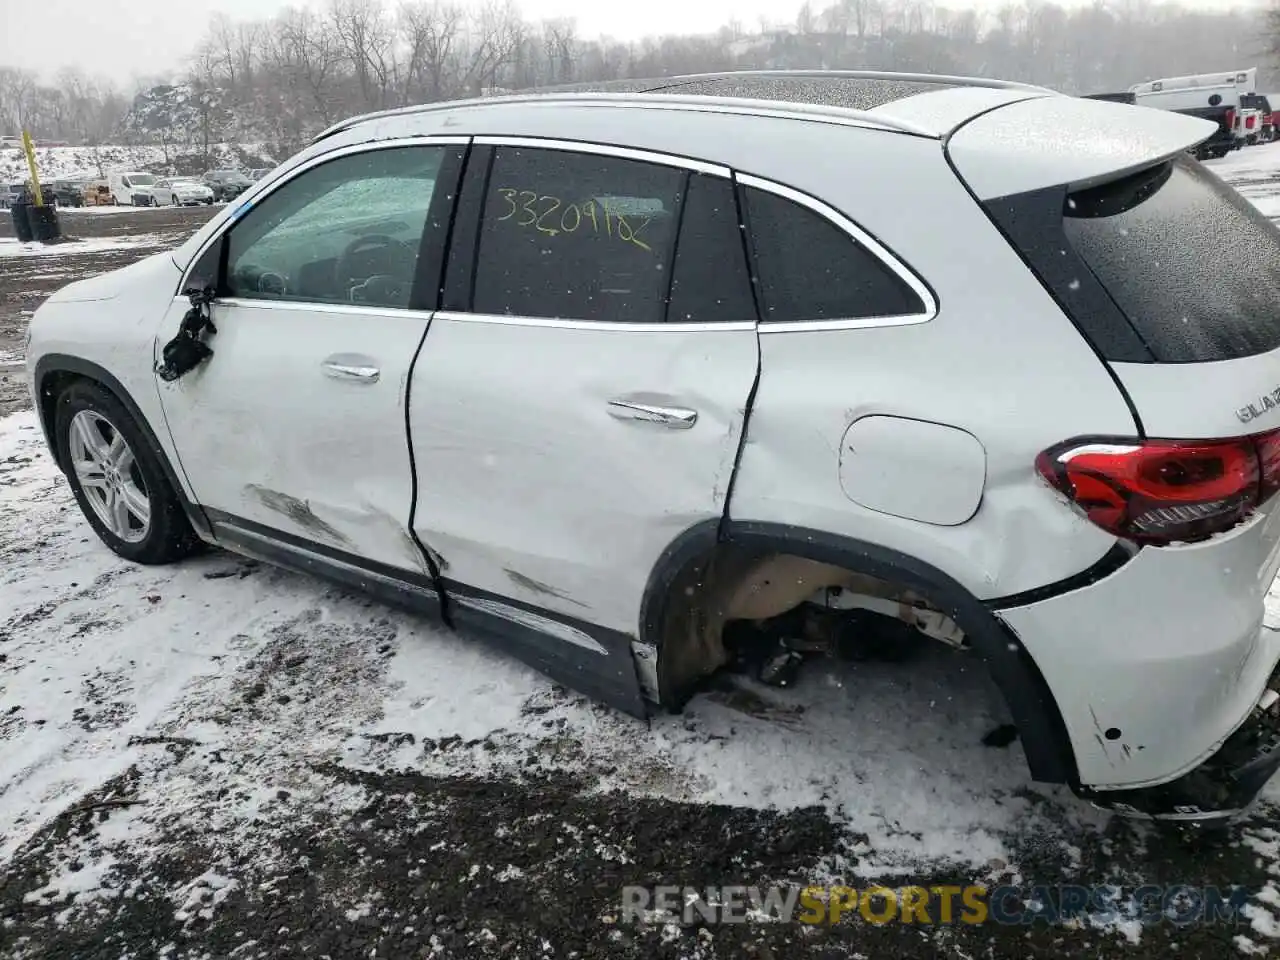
x: 296, y: 424
x: 583, y: 406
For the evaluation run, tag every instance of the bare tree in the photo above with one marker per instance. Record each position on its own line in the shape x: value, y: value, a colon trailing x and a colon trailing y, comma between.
x: 433, y: 34
x: 367, y: 38
x: 494, y: 32
x: 283, y: 79
x: 560, y: 40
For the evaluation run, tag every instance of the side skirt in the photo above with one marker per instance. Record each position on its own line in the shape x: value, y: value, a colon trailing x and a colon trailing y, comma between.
x: 584, y: 657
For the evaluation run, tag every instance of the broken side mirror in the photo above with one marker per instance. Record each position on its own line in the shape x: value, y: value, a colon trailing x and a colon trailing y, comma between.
x: 188, y: 349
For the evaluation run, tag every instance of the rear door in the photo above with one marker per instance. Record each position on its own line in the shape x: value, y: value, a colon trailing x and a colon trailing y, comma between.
x: 295, y: 428
x: 579, y: 402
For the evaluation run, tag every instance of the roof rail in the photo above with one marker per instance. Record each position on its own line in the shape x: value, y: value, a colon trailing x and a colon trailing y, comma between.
x: 565, y: 94
x: 940, y: 78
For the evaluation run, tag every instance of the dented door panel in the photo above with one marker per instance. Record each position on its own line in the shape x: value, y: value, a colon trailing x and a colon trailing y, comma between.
x: 530, y: 487
x: 266, y: 434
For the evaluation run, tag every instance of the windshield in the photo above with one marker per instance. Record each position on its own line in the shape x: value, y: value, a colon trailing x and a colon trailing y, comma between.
x: 141, y: 179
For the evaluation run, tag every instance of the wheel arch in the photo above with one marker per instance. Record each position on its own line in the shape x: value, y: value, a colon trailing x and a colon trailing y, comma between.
x: 1040, y: 725
x: 54, y: 372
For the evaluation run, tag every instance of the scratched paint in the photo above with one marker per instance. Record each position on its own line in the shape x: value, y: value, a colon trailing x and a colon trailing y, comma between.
x: 537, y: 586
x: 299, y: 511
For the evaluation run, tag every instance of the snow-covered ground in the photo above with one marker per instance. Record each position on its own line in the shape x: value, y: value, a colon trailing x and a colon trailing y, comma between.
x: 1254, y: 171
x: 232, y: 709
x: 70, y: 248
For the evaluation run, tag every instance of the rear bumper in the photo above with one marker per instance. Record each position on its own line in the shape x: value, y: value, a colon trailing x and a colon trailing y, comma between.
x: 1223, y: 786
x: 1158, y: 669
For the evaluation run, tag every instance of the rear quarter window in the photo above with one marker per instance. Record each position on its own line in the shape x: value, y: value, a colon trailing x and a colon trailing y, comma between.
x: 1166, y: 265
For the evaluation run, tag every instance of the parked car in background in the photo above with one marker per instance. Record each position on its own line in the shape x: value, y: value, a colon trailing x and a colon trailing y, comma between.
x: 67, y: 193
x: 1248, y: 125
x: 1266, y: 123
x: 227, y: 184
x: 97, y: 193
x: 181, y: 192
x: 806, y: 424
x: 257, y: 173
x: 16, y: 192
x: 133, y: 188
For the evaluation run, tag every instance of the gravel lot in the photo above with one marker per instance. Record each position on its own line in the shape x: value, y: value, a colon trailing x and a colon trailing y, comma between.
x: 226, y: 760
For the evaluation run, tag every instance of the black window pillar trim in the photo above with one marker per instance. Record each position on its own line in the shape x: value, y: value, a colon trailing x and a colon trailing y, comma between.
x: 1041, y: 729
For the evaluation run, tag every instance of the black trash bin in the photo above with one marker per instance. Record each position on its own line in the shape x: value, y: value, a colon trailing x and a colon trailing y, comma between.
x: 21, y: 225
x: 44, y: 222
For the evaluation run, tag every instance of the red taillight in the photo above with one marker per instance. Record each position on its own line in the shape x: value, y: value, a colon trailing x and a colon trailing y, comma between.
x: 1250, y: 121
x: 1165, y: 491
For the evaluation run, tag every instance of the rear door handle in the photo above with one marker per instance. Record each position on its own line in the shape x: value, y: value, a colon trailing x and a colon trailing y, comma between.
x: 674, y: 418
x: 351, y: 366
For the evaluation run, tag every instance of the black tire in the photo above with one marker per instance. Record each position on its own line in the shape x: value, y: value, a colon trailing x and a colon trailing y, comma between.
x: 169, y: 536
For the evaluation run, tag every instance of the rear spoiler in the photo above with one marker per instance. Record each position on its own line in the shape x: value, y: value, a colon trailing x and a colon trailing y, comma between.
x: 1128, y: 97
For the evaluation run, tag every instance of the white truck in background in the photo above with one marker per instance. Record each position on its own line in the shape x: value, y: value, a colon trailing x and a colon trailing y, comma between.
x: 1211, y: 96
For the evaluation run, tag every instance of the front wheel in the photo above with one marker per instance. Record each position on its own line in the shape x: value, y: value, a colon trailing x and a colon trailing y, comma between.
x: 117, y: 479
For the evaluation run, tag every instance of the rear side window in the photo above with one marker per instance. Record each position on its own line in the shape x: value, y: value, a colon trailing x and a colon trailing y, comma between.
x: 1194, y: 267
x: 577, y: 236
x: 810, y: 269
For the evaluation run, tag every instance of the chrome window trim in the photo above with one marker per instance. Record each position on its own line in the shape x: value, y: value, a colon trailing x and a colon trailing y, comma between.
x: 238, y: 207
x: 316, y: 306
x: 861, y: 237
x: 606, y: 150
x: 512, y: 320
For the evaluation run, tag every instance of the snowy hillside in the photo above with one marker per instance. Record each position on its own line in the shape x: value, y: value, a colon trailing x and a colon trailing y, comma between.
x: 58, y: 163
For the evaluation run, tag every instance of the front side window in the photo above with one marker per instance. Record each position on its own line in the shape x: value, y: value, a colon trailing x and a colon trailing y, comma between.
x: 347, y: 231
x: 810, y: 269
x: 577, y: 236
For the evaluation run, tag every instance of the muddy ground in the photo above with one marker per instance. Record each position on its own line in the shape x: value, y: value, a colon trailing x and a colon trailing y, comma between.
x: 383, y: 858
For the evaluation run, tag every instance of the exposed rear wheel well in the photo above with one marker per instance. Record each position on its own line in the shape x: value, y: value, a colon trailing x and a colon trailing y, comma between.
x: 740, y: 571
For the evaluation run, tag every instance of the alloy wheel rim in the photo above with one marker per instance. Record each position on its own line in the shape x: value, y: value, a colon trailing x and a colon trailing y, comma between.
x: 109, y: 475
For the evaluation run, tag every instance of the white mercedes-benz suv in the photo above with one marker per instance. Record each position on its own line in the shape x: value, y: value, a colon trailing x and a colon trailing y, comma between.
x: 606, y: 376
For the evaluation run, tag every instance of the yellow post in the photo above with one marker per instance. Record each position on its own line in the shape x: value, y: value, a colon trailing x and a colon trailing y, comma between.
x: 31, y: 163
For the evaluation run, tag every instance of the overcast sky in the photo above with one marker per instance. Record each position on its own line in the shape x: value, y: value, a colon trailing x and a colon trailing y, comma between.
x: 122, y: 39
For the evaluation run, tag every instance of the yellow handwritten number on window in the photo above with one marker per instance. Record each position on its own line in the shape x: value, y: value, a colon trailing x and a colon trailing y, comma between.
x: 540, y: 212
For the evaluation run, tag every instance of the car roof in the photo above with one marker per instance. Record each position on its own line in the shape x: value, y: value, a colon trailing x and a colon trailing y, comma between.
x: 921, y: 104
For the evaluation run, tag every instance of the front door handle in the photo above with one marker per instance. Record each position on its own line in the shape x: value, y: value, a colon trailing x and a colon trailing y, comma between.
x: 350, y: 366
x: 675, y: 418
